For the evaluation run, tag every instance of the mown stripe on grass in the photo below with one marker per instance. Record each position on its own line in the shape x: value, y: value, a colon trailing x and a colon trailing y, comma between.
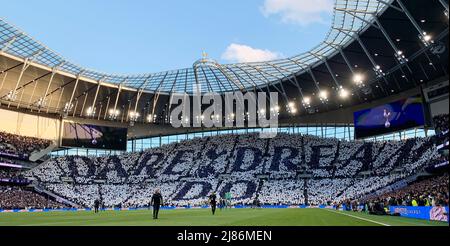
x: 357, y: 217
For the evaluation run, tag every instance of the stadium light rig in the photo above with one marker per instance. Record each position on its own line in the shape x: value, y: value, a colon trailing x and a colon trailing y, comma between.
x: 151, y: 118
x: 230, y: 117
x: 41, y: 102
x: 401, y: 57
x: 343, y: 93
x: 67, y: 108
x: 291, y: 108
x: 113, y: 114
x: 358, y: 79
x: 215, y: 118
x: 12, y: 96
x: 378, y: 71
x: 323, y: 96
x: 90, y: 112
x: 134, y: 116
x: 247, y: 116
x: 306, y: 102
x: 426, y: 39
x: 275, y: 110
x: 262, y: 112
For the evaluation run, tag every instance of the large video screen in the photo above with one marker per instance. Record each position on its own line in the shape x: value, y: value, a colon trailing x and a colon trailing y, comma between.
x: 94, y: 136
x: 399, y: 115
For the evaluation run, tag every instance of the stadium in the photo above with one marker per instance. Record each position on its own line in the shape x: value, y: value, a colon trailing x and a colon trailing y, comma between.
x: 353, y: 132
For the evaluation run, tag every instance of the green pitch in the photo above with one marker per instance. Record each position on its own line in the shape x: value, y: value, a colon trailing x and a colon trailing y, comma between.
x: 203, y: 217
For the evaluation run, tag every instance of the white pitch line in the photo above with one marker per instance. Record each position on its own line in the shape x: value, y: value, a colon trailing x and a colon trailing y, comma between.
x: 357, y: 217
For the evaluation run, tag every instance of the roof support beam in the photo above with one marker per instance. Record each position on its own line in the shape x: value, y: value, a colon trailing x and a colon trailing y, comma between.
x: 254, y: 83
x: 34, y: 89
x: 34, y: 80
x: 59, y: 99
x: 44, y: 97
x: 347, y: 61
x: 269, y: 83
x: 341, y: 51
x: 6, y: 70
x: 119, y: 90
x: 410, y: 17
x: 157, y: 94
x: 288, y: 78
x: 233, y: 88
x: 9, y: 42
x: 316, y: 83
x: 239, y: 77
x: 444, y: 4
x: 75, y: 108
x: 84, y: 103
x: 383, y: 31
x: 3, y: 80
x: 363, y: 46
x: 95, y: 97
x: 206, y: 79
x: 169, y: 105
x: 238, y: 84
x: 328, y: 68
x: 309, y: 71
x: 106, y: 108
x: 69, y: 105
x: 14, y: 91
x: 390, y: 5
x: 333, y: 75
x: 356, y: 11
x: 368, y: 56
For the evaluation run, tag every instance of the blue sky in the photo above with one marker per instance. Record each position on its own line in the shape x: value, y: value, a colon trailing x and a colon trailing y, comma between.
x: 137, y: 36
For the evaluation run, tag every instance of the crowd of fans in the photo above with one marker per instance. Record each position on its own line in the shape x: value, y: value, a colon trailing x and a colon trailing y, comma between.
x: 14, y: 197
x: 20, y: 146
x: 429, y: 192
x: 12, y: 175
x: 441, y: 123
x: 297, y: 169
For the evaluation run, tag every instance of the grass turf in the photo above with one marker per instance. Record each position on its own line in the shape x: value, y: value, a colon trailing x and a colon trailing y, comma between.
x: 203, y: 217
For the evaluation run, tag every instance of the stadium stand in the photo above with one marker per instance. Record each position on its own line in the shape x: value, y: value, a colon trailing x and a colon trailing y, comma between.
x: 429, y: 192
x: 441, y: 123
x: 17, y: 146
x: 13, y: 197
x: 187, y: 172
x: 9, y: 173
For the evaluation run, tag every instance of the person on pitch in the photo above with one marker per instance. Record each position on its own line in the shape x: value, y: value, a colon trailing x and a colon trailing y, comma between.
x: 156, y: 202
x: 96, y: 205
x: 213, y: 202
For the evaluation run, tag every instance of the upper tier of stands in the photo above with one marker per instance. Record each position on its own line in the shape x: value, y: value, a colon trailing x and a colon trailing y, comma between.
x: 16, y: 146
x: 325, y: 170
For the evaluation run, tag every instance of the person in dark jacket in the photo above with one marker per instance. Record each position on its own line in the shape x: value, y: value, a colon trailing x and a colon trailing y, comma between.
x: 156, y: 202
x: 213, y: 202
x: 96, y: 205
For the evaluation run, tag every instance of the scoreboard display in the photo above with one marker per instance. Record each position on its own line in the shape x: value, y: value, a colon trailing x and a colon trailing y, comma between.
x: 392, y: 117
x: 93, y: 136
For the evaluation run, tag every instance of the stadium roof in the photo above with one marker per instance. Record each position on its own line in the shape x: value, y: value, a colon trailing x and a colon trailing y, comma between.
x: 350, y: 16
x: 374, y: 49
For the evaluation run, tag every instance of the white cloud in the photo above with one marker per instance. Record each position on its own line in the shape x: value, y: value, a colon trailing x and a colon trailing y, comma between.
x: 302, y: 12
x: 245, y: 53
